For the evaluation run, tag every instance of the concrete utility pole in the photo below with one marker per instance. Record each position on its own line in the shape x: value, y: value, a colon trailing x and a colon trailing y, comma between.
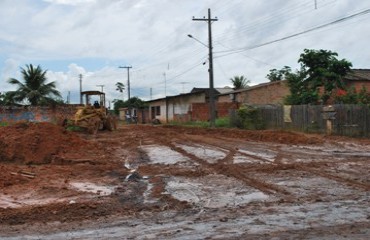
x: 212, y: 107
x: 80, y: 88
x: 165, y: 84
x: 102, y: 87
x: 183, y: 83
x: 128, y: 80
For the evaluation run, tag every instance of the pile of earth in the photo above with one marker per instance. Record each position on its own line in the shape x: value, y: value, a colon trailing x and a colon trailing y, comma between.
x: 38, y: 143
x: 277, y: 136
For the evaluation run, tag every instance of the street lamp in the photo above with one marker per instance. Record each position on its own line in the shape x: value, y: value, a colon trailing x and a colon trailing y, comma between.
x: 212, y: 107
x: 196, y: 39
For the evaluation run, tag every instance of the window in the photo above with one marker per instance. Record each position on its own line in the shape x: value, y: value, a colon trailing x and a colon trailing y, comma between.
x: 158, y: 110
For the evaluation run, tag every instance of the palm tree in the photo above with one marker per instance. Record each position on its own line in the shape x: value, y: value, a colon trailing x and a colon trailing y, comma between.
x: 34, y: 89
x: 120, y: 87
x: 240, y: 82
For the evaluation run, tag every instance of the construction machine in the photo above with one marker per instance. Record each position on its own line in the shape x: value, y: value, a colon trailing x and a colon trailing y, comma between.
x: 93, y: 117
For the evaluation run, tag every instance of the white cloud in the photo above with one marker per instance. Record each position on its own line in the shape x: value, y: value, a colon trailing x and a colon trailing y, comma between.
x: 70, y: 2
x: 151, y: 35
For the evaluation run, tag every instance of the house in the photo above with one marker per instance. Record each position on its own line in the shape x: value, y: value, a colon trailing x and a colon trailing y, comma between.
x: 194, y: 106
x: 358, y: 78
x: 184, y: 107
x: 275, y: 92
x: 264, y: 93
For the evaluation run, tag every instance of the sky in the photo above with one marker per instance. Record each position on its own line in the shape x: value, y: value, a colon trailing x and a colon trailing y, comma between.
x: 95, y: 38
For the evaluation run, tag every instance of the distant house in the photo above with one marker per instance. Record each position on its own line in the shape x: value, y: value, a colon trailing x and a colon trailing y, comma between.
x: 358, y: 78
x: 264, y: 93
x: 275, y: 92
x: 184, y: 107
x: 194, y: 106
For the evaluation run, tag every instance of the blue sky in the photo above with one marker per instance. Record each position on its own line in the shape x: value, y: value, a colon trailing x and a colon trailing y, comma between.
x: 95, y: 37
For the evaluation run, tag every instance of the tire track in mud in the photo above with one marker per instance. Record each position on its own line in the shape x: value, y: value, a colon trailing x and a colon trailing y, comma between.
x: 349, y: 182
x: 226, y: 167
x: 223, y: 167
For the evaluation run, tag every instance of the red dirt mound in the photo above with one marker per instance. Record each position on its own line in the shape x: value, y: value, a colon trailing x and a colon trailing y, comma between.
x: 257, y: 135
x: 37, y: 143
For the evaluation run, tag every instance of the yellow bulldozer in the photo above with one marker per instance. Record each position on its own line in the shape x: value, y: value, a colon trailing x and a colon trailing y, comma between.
x: 94, y: 117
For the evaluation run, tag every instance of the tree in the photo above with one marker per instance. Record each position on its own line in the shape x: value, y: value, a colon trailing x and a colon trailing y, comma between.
x: 35, y: 90
x: 7, y: 98
x: 240, y: 82
x: 278, y: 75
x: 321, y: 73
x: 134, y: 102
x: 120, y: 87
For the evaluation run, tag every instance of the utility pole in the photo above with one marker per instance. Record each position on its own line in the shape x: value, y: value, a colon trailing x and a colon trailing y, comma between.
x: 80, y: 88
x: 128, y: 80
x: 165, y: 84
x: 102, y: 87
x: 212, y: 107
x: 151, y: 93
x: 183, y: 83
x: 128, y: 89
x: 315, y: 4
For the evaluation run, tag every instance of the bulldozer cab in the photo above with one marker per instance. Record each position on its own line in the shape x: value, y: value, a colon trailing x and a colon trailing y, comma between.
x: 100, y: 103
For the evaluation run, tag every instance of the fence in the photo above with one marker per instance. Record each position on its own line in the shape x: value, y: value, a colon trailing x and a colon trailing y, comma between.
x: 346, y: 120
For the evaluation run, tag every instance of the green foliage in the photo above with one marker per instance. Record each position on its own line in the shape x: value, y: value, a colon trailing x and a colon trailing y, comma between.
x: 300, y: 92
x: 133, y: 102
x: 3, y: 124
x: 73, y: 128
x: 34, y: 88
x: 239, y: 82
x: 320, y: 69
x: 363, y: 96
x: 222, y: 122
x: 351, y: 96
x: 278, y: 75
x: 248, y: 117
x: 7, y: 98
x: 120, y: 87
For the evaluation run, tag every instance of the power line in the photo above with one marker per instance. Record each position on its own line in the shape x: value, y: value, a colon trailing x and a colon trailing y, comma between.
x: 238, y: 50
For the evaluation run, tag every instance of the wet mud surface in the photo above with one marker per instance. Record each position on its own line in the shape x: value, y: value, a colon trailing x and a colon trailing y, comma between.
x: 166, y: 182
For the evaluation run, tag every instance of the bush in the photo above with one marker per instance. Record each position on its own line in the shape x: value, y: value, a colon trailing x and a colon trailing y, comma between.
x: 248, y: 117
x: 223, y: 122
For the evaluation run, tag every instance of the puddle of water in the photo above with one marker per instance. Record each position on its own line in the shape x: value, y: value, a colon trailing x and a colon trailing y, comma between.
x: 306, y: 185
x: 148, y: 191
x: 210, y: 154
x: 213, y: 191
x: 92, y: 188
x: 238, y: 158
x: 164, y: 155
x: 269, y: 156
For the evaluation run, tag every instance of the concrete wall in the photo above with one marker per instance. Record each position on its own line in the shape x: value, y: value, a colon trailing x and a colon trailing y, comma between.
x: 36, y: 114
x: 161, y: 103
x: 175, y: 108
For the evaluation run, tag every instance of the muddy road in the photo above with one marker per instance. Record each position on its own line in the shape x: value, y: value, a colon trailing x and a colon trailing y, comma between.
x: 167, y: 182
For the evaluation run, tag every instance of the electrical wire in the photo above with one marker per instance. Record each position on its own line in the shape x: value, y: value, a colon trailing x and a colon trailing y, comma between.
x: 343, y: 19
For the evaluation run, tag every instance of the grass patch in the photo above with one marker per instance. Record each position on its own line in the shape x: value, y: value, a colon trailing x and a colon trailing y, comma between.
x: 220, y: 122
x: 3, y: 124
